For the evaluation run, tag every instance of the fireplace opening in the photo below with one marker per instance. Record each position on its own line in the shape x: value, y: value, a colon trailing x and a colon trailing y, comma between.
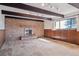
x: 28, y: 31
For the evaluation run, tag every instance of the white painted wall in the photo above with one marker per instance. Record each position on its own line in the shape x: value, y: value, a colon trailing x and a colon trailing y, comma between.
x: 48, y: 24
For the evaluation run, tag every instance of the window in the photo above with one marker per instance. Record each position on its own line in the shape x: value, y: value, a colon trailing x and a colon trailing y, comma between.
x: 2, y: 24
x: 66, y: 24
x: 62, y: 24
x: 70, y: 23
x: 57, y: 25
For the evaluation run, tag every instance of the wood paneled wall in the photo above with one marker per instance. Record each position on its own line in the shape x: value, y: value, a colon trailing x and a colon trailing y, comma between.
x: 15, y: 27
x: 2, y: 35
x: 77, y: 37
x: 65, y: 35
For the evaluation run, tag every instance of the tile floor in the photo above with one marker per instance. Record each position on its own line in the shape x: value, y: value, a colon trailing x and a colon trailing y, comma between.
x: 38, y: 47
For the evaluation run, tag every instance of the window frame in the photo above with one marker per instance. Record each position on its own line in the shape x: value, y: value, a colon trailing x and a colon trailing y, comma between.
x: 71, y: 25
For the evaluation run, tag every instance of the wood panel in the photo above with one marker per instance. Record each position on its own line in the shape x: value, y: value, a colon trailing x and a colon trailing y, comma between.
x: 47, y: 32
x: 15, y: 28
x: 65, y: 35
x: 72, y: 36
x: 77, y: 41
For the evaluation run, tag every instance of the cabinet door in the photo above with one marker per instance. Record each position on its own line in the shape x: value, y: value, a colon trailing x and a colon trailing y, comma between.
x: 72, y: 36
x: 77, y: 37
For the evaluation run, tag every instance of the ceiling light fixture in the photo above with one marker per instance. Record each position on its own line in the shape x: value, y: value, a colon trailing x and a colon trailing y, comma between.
x: 53, y: 7
x: 42, y: 4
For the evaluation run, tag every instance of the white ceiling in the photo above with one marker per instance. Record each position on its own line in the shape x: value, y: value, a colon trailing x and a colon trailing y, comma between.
x: 61, y: 8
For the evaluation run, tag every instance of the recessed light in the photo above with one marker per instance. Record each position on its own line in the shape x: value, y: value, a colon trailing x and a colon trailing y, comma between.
x: 42, y: 4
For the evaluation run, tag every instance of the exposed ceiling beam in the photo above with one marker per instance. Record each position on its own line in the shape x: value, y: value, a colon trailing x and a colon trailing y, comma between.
x: 75, y: 5
x: 23, y: 15
x: 32, y: 8
x: 23, y: 18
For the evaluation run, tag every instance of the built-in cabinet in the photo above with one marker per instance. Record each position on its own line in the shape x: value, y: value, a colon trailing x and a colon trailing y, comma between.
x: 71, y: 36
